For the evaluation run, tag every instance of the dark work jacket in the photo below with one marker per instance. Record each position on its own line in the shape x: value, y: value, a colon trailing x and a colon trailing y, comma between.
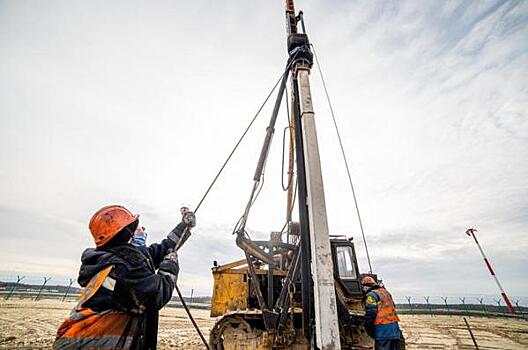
x: 388, y: 329
x: 138, y: 290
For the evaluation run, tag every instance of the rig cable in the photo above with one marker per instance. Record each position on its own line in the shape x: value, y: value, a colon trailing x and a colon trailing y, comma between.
x: 344, y: 155
x: 239, y: 142
x: 191, y: 317
x: 288, y: 128
x: 258, y: 177
x: 214, y: 181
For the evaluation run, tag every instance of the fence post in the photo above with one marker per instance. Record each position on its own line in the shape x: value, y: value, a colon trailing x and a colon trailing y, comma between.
x: 190, y: 302
x: 481, y: 301
x: 463, y: 300
x: 517, y: 305
x: 46, y: 279
x: 428, y: 305
x: 447, y: 306
x: 68, y: 289
x: 498, y: 301
x: 409, y: 301
x: 16, y: 284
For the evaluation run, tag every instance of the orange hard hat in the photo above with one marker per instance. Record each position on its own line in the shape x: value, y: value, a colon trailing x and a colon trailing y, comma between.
x: 108, y: 221
x: 367, y: 280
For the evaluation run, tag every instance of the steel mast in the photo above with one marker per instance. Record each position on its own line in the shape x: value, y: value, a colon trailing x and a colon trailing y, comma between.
x: 318, y: 290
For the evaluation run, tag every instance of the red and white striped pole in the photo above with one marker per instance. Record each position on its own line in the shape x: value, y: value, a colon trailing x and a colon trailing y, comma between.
x: 471, y: 232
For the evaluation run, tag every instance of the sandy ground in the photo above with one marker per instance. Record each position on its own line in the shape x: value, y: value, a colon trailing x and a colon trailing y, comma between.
x: 32, y: 325
x: 450, y: 332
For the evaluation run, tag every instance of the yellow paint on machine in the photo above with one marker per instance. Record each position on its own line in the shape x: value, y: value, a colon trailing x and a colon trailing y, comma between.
x: 230, y: 292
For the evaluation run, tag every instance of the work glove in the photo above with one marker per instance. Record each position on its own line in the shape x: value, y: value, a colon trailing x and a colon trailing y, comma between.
x: 169, y: 266
x: 188, y: 222
x: 177, y: 232
x: 189, y: 219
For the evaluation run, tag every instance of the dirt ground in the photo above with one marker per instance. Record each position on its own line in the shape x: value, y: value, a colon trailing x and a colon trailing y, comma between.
x: 32, y: 325
x: 450, y: 332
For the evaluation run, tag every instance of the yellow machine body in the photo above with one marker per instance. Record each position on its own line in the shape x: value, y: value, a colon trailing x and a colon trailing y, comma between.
x: 230, y: 291
x: 239, y: 323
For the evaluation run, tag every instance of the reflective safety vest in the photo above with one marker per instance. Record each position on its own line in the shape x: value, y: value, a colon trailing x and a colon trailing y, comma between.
x: 87, y: 329
x: 386, y: 310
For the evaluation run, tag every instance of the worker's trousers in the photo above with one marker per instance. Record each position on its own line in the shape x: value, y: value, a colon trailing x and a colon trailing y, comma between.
x: 389, y: 344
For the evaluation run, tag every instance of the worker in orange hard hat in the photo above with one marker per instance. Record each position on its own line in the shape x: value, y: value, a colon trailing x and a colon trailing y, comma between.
x: 381, y: 319
x: 124, y: 284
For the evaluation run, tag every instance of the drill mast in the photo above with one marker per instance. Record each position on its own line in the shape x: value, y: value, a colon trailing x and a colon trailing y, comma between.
x: 317, y: 275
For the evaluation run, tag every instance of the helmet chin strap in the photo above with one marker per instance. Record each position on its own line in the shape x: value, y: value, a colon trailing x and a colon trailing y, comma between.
x: 131, y: 234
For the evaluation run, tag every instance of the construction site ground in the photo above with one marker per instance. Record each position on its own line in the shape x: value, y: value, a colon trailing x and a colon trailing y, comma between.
x: 28, y: 324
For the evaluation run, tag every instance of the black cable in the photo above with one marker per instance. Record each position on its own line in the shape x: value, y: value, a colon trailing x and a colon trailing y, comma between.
x: 344, y: 157
x: 261, y: 165
x: 261, y: 185
x: 239, y: 141
x: 214, y: 181
x: 191, y: 317
x: 290, y: 176
x: 291, y: 209
x: 286, y: 71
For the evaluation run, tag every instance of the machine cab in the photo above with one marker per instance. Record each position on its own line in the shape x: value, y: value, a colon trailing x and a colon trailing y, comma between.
x: 345, y: 264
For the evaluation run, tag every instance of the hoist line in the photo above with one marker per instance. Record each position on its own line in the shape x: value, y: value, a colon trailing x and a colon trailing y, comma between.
x: 293, y: 204
x: 290, y: 176
x: 240, y: 141
x: 344, y: 155
x: 264, y: 152
x: 191, y: 318
x: 214, y: 181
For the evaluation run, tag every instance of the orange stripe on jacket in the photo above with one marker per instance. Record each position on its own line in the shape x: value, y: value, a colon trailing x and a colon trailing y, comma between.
x: 86, y: 328
x: 386, y: 309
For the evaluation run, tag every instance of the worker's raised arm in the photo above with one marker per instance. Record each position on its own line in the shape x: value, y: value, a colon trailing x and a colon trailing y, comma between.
x: 158, y: 251
x: 139, y: 294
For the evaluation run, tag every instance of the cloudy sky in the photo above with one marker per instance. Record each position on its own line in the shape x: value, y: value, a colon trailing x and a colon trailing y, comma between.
x: 138, y: 103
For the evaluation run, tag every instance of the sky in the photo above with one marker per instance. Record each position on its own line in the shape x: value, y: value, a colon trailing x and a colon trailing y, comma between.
x: 138, y: 103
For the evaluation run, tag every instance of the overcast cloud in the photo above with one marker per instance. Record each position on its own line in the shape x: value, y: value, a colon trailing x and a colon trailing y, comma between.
x: 138, y: 103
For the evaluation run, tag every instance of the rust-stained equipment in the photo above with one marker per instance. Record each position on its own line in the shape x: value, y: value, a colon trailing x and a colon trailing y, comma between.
x: 301, y: 288
x: 243, y: 325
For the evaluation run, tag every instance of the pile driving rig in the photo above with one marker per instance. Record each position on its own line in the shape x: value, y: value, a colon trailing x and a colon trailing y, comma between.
x: 300, y: 289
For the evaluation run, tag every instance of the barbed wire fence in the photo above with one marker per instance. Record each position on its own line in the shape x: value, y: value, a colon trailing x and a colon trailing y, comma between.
x: 66, y: 289
x: 481, y: 305
x: 37, y: 288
